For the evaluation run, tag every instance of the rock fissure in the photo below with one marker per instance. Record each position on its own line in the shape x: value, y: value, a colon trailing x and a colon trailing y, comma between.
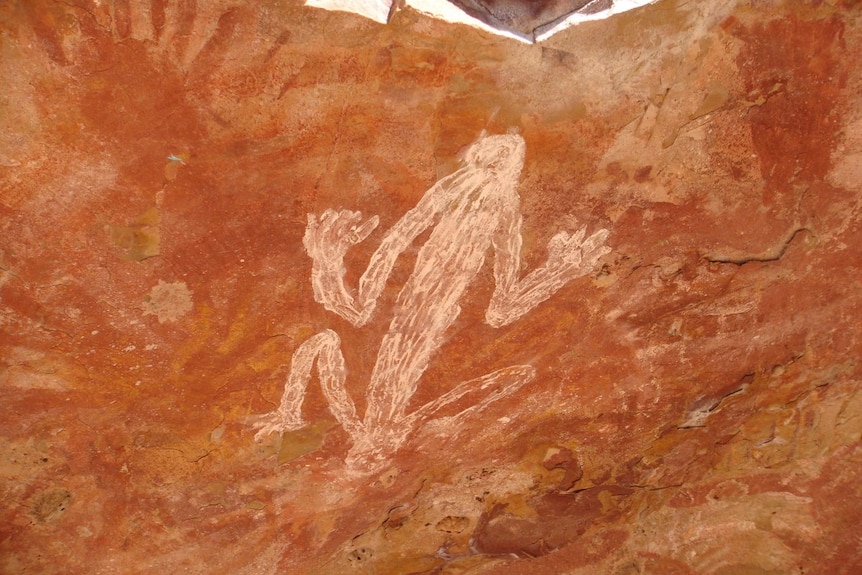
x: 772, y: 255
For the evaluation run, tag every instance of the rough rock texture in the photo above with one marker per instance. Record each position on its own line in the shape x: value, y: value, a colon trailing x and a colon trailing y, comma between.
x: 696, y: 408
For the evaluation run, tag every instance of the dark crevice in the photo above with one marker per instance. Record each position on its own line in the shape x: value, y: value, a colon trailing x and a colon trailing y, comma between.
x: 772, y: 255
x: 697, y: 418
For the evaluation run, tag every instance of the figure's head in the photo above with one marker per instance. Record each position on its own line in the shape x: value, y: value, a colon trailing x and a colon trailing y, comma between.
x: 497, y: 152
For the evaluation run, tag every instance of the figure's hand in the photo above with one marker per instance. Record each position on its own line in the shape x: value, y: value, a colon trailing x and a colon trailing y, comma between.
x: 571, y: 252
x: 329, y: 237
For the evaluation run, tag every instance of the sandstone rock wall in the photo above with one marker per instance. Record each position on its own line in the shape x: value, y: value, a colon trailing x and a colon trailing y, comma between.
x: 695, y: 407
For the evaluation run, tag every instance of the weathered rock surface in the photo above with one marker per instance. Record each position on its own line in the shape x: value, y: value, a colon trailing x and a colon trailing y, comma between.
x: 696, y: 406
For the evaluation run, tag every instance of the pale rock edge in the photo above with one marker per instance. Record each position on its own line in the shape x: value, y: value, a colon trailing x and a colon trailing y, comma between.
x: 379, y: 11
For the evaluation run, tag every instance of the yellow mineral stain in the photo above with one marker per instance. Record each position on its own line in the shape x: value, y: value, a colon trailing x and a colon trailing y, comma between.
x: 297, y: 443
x: 269, y: 356
x: 608, y: 502
x: 202, y: 331
x: 716, y: 97
x: 235, y: 335
x: 140, y: 238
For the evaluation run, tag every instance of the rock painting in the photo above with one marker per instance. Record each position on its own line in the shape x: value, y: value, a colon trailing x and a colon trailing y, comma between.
x: 473, y: 210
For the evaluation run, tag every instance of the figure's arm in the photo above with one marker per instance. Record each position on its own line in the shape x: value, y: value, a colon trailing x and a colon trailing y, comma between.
x: 329, y: 237
x: 569, y: 257
x: 326, y: 240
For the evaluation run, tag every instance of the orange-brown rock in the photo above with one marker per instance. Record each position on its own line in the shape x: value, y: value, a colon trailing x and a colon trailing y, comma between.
x: 696, y: 407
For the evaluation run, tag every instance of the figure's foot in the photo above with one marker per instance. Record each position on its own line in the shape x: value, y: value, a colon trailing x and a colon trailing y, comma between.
x: 328, y: 237
x: 372, y: 450
x: 270, y: 423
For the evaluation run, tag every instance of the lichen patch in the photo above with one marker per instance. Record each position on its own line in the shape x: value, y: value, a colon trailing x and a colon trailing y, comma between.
x: 168, y: 301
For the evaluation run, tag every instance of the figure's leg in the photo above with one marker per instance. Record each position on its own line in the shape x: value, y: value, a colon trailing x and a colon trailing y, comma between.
x: 404, y: 355
x: 489, y: 388
x: 325, y: 348
x: 569, y: 257
x: 371, y: 450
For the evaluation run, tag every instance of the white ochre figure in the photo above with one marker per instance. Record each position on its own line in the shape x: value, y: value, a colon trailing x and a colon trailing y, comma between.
x: 472, y: 210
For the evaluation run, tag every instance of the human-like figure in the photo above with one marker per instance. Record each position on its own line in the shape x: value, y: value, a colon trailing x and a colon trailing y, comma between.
x: 472, y: 210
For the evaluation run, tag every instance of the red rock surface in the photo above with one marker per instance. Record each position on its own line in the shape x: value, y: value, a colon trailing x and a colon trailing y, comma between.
x: 697, y: 404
